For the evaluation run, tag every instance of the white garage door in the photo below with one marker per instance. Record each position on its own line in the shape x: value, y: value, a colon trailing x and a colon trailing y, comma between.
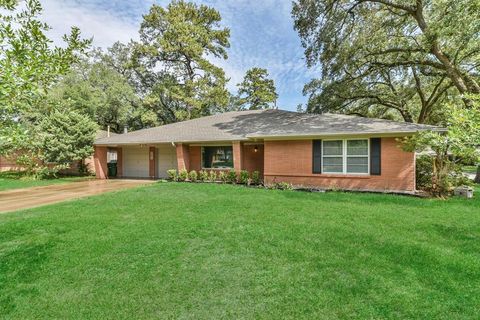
x: 167, y: 159
x: 135, y: 162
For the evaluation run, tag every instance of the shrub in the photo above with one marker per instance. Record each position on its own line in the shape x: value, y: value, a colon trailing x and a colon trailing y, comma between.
x: 44, y: 172
x: 232, y: 176
x: 212, y: 177
x: 244, y: 177
x: 172, y: 174
x: 223, y: 176
x: 426, y: 179
x: 183, y: 175
x: 256, y: 178
x: 203, y: 175
x: 193, y: 176
x: 281, y: 186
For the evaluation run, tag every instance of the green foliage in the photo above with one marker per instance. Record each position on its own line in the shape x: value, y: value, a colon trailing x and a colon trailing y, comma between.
x: 193, y: 176
x: 424, y: 175
x: 30, y: 65
x: 457, y: 145
x: 257, y: 91
x: 393, y: 59
x: 281, y: 186
x: 232, y: 176
x: 244, y: 177
x: 203, y: 175
x: 172, y: 174
x: 212, y: 176
x: 183, y: 175
x: 256, y: 178
x: 96, y: 88
x: 223, y: 176
x: 177, y: 45
x: 65, y: 137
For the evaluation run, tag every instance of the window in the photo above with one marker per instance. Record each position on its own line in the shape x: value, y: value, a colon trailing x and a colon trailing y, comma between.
x: 357, y: 156
x: 217, y: 157
x: 345, y: 156
x: 333, y: 156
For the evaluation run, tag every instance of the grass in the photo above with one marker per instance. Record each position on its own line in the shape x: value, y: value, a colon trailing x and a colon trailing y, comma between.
x: 470, y: 169
x: 16, y: 180
x: 207, y: 251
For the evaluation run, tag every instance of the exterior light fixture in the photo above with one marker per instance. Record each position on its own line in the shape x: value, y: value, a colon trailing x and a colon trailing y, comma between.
x: 255, y: 149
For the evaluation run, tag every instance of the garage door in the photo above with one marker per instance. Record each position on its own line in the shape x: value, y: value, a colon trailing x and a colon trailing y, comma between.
x: 167, y: 159
x: 135, y: 162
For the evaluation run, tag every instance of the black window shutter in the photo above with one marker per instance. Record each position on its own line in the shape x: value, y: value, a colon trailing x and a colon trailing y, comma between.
x: 317, y: 156
x: 376, y: 156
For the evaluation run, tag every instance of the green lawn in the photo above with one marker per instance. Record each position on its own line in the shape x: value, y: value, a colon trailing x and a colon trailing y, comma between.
x: 470, y: 169
x: 16, y: 180
x: 203, y: 251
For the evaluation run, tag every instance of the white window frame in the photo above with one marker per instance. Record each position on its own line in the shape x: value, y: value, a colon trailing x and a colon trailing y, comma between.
x: 345, y: 156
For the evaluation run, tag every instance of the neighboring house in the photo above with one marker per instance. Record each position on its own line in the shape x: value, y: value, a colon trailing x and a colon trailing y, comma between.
x: 10, y: 163
x: 325, y: 151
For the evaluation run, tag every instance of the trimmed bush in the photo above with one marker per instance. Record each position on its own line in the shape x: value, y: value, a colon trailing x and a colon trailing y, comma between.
x: 281, y: 186
x: 232, y: 176
x: 223, y: 176
x: 172, y: 174
x: 203, y: 175
x: 183, y: 175
x: 193, y: 176
x: 256, y: 178
x: 244, y: 177
x: 212, y: 176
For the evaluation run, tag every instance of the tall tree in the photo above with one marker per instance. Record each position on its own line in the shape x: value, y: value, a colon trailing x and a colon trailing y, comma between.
x: 434, y: 45
x: 98, y: 88
x: 173, y: 59
x: 257, y: 91
x: 29, y: 66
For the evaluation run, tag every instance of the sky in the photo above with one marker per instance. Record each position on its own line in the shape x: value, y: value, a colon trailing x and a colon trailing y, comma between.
x: 262, y: 35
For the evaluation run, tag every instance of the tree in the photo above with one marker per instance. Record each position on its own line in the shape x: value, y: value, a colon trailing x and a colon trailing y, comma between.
x: 96, y: 88
x: 459, y: 143
x: 173, y: 60
x: 29, y: 66
x: 394, y: 93
x: 376, y: 45
x: 65, y: 137
x: 257, y: 90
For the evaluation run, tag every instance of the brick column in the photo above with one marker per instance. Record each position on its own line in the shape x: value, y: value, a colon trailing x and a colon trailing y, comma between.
x: 183, y: 156
x: 100, y: 162
x: 119, y: 162
x: 151, y: 162
x: 237, y: 156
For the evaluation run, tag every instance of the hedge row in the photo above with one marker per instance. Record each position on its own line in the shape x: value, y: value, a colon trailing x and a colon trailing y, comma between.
x: 230, y: 176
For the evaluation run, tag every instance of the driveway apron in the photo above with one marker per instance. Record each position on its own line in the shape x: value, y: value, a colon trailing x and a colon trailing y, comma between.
x: 18, y: 199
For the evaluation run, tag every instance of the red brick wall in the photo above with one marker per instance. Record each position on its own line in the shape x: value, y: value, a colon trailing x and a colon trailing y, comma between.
x: 119, y: 162
x: 291, y: 161
x: 196, y: 158
x: 253, y: 161
x: 100, y: 162
x: 183, y: 157
x: 9, y: 164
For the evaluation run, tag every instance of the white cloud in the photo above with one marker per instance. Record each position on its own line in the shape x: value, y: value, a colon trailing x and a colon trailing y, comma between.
x: 105, y: 27
x: 262, y: 35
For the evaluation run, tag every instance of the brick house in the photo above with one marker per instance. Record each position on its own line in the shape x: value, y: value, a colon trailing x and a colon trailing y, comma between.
x: 311, y: 150
x: 10, y: 163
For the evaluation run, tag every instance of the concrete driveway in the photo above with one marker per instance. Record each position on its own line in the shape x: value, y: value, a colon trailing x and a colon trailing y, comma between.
x: 38, y: 196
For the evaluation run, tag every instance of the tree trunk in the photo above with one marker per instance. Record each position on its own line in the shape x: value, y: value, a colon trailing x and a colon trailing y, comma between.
x: 477, y: 177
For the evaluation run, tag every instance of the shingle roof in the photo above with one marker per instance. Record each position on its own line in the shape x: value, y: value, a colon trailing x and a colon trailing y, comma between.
x: 103, y: 134
x: 245, y: 125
